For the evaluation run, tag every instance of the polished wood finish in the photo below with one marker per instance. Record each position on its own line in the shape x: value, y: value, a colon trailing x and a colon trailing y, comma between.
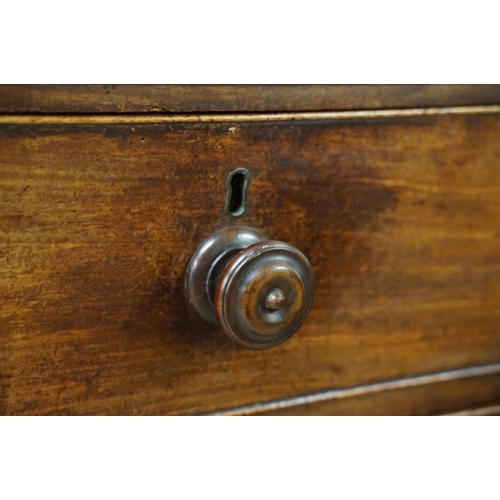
x: 486, y: 411
x: 400, y: 218
x: 429, y: 399
x: 235, y: 98
x: 435, y: 394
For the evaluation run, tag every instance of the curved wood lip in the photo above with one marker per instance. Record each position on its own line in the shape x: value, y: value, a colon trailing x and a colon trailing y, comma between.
x: 32, y: 119
x: 434, y: 378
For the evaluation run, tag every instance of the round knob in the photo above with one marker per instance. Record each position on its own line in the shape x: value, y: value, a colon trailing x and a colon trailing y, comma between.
x: 264, y: 294
x: 259, y: 291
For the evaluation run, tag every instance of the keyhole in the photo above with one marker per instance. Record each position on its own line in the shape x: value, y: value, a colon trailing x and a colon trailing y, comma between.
x: 238, y: 182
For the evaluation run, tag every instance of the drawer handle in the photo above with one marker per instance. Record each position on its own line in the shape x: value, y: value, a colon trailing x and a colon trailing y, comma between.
x: 259, y: 291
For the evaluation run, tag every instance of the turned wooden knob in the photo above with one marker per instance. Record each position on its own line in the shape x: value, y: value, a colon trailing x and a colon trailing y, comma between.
x: 258, y: 291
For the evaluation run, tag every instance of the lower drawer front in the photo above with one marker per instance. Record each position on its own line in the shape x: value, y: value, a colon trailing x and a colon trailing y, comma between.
x: 400, y: 218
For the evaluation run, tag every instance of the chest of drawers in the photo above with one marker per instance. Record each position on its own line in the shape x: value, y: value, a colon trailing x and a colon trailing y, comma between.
x: 392, y: 193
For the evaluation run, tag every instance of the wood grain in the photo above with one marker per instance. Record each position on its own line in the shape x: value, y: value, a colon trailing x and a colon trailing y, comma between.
x: 492, y: 411
x: 400, y: 219
x: 143, y: 118
x: 433, y: 394
x: 235, y: 98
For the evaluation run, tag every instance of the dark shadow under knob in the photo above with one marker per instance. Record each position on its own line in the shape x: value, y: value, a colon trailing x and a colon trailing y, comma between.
x: 259, y: 291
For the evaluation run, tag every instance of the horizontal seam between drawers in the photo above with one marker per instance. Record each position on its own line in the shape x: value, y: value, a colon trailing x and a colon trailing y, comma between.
x: 362, y: 390
x: 31, y: 119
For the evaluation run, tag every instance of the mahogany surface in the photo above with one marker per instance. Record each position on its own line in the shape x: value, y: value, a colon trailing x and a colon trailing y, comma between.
x: 399, y: 217
x: 235, y: 98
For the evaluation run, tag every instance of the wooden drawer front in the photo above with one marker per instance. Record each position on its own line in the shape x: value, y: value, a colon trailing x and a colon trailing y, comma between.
x: 236, y: 98
x: 400, y: 218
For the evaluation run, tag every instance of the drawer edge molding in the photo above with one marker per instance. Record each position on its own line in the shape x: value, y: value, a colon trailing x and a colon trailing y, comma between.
x: 108, y: 119
x: 477, y: 412
x: 362, y: 390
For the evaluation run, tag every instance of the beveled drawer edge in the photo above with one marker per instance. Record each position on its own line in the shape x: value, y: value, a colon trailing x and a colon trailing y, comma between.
x: 30, y: 119
x: 336, y: 394
x: 477, y: 412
